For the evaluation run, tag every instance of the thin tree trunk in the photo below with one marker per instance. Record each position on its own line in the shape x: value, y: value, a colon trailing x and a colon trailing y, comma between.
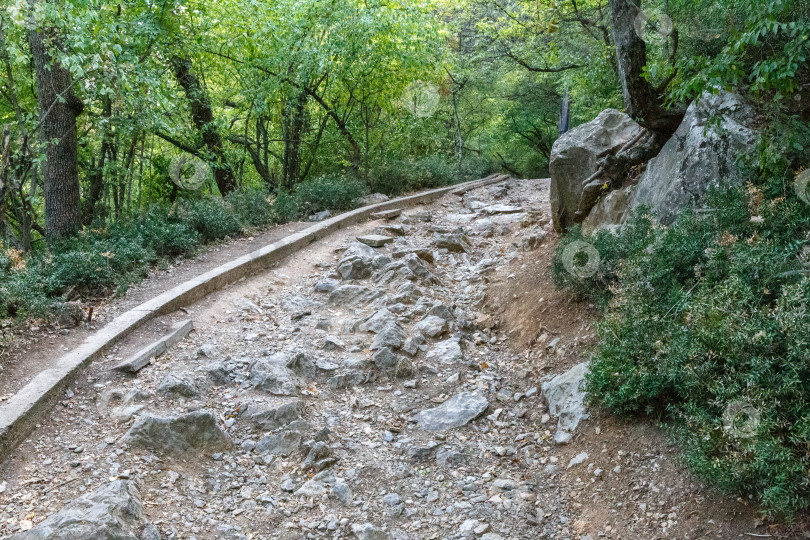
x: 641, y: 99
x: 58, y: 109
x: 293, y: 124
x: 203, y: 117
x: 92, y: 210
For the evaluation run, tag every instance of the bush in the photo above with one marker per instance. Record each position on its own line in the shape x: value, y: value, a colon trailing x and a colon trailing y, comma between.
x: 251, y: 206
x: 286, y: 208
x: 328, y: 193
x: 211, y: 217
x: 710, y: 316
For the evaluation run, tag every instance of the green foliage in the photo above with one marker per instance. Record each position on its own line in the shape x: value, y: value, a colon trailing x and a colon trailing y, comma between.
x: 328, y: 193
x: 251, y: 206
x: 286, y: 207
x: 706, y: 313
x: 767, y: 51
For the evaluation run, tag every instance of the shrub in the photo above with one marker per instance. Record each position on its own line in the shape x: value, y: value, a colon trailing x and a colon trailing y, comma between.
x: 285, y: 208
x: 211, y: 217
x: 706, y: 316
x: 328, y: 193
x: 251, y: 206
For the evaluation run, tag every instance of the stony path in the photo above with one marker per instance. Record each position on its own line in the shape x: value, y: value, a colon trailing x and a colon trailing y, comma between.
x: 350, y: 392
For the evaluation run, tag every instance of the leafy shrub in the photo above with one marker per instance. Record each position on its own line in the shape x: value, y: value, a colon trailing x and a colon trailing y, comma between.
x: 706, y: 314
x: 328, y: 193
x: 211, y: 217
x: 251, y: 206
x: 286, y: 207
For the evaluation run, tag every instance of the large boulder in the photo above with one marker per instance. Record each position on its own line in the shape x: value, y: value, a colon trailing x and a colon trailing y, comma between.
x: 565, y: 394
x: 112, y: 511
x: 575, y: 158
x: 716, y: 130
x: 192, y: 433
x: 611, y: 211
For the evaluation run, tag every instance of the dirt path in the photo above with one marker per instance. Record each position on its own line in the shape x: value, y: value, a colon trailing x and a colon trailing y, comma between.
x: 37, y: 346
x: 372, y: 393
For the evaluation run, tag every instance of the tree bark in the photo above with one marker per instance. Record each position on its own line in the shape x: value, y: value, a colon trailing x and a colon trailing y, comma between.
x: 293, y: 124
x: 58, y: 109
x: 203, y: 117
x: 93, y: 206
x: 641, y: 99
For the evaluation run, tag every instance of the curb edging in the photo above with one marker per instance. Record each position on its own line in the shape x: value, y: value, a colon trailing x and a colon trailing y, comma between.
x: 20, y: 413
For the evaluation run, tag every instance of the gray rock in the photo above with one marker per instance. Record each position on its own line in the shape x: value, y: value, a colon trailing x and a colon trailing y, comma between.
x: 341, y: 492
x: 175, y: 384
x: 377, y: 322
x: 449, y: 458
x: 392, y: 336
x: 217, y: 372
x: 455, y: 412
x: 575, y: 156
x: 367, y: 531
x: 404, y: 369
x: 244, y: 304
x: 701, y: 155
x: 453, y: 242
x: 332, y: 343
x: 112, y: 511
x: 611, y: 211
x: 320, y: 216
x: 352, y: 295
x: 318, y: 484
x: 483, y: 227
x: 272, y: 375
x: 191, y: 433
x: 356, y: 262
x: 446, y: 352
x: 270, y: 419
x: 318, y: 458
x: 391, y: 499
x: 431, y: 326
x: 282, y: 444
x: 327, y: 285
x: 374, y: 198
x: 375, y: 240
x: 534, y: 240
x: 566, y: 399
x: 346, y: 380
x: 501, y: 209
x: 385, y: 358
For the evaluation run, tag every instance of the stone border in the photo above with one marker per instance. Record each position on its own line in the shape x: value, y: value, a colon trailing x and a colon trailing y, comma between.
x: 20, y: 413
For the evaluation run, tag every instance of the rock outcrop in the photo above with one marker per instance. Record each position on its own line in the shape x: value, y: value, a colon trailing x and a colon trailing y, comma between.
x: 575, y: 158
x: 702, y: 154
x: 112, y: 511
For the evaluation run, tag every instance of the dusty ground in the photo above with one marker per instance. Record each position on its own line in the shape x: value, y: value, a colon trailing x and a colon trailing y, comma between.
x: 499, y: 476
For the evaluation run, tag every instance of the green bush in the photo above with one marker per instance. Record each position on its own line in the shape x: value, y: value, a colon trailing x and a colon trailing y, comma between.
x: 251, y: 206
x: 286, y: 208
x: 328, y: 193
x: 707, y: 315
x: 211, y: 217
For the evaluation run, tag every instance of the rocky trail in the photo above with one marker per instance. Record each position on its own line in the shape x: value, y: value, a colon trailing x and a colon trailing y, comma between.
x: 366, y: 389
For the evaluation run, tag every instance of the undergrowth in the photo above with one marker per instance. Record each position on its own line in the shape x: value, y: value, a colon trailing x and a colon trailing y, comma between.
x: 108, y: 258
x: 706, y: 328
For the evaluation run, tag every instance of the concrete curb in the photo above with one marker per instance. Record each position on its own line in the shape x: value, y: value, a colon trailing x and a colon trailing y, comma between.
x: 20, y: 414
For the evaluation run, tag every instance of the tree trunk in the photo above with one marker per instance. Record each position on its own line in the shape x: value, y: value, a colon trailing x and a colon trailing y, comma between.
x: 93, y: 203
x: 58, y: 109
x: 293, y: 124
x: 203, y: 117
x: 641, y: 99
